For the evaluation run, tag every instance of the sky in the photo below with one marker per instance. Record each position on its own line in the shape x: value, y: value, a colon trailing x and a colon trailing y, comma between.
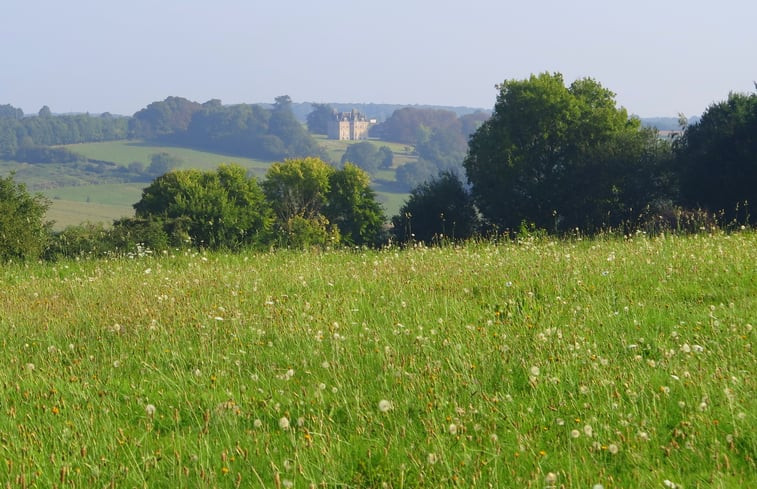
x: 661, y: 57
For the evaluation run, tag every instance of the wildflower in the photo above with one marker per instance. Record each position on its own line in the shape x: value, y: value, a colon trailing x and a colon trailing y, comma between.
x: 550, y: 479
x: 493, y: 438
x: 575, y: 433
x: 431, y: 458
x: 597, y: 486
x: 612, y: 448
x: 452, y: 429
x: 257, y: 423
x: 30, y: 367
x: 116, y: 364
x: 385, y: 406
x: 588, y: 430
x: 670, y: 484
x: 284, y: 423
x: 535, y: 371
x: 150, y: 410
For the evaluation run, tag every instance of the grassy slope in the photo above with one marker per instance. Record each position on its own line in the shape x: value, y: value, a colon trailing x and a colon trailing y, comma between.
x: 78, y: 198
x: 621, y: 363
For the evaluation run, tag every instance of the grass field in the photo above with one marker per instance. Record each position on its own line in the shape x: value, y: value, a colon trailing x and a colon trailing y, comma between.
x: 546, y: 364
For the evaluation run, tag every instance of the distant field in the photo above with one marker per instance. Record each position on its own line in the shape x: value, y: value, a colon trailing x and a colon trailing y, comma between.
x: 403, y: 153
x: 125, y: 152
x: 66, y: 213
x: 79, y: 196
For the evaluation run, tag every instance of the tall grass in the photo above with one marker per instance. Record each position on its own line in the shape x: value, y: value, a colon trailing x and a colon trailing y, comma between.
x: 597, y: 363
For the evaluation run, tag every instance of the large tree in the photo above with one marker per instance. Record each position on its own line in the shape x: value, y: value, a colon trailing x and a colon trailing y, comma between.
x: 318, y: 119
x: 23, y: 229
x: 440, y: 209
x: 353, y: 208
x: 717, y: 159
x: 561, y: 157
x: 217, y: 209
x: 315, y: 204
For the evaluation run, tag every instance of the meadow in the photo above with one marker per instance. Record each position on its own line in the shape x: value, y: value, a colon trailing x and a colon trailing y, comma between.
x: 603, y: 363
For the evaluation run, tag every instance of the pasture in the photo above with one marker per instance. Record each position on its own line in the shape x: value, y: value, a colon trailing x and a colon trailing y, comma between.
x: 605, y: 363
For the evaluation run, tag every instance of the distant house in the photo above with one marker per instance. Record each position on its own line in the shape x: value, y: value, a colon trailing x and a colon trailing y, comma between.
x: 670, y: 135
x: 348, y: 126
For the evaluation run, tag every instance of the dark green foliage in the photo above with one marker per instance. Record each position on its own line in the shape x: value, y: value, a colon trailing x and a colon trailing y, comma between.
x: 248, y: 130
x: 416, y: 173
x: 365, y: 155
x: 318, y: 119
x: 8, y: 111
x: 45, y: 154
x: 23, y: 230
x: 221, y: 209
x: 387, y: 157
x: 440, y: 209
x: 353, y: 208
x: 28, y: 132
x: 402, y: 126
x: 161, y: 119
x: 563, y: 157
x: 161, y: 163
x: 717, y: 159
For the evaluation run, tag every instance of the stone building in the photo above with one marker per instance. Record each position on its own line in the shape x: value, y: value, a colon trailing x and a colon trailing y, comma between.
x: 348, y: 125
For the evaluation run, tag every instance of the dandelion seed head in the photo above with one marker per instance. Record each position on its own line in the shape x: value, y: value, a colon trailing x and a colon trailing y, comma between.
x: 588, y: 430
x: 452, y: 428
x: 257, y: 423
x: 575, y: 433
x: 284, y: 423
x: 150, y: 410
x: 431, y: 458
x: 535, y: 371
x: 385, y: 406
x: 612, y: 448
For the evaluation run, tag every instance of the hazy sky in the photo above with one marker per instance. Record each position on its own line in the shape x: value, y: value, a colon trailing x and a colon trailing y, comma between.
x: 661, y: 57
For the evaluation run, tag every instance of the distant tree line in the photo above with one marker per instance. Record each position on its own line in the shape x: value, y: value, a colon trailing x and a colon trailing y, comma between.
x: 252, y: 131
x: 20, y: 133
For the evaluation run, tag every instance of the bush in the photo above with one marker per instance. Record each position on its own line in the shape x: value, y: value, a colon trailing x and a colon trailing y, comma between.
x: 23, y: 231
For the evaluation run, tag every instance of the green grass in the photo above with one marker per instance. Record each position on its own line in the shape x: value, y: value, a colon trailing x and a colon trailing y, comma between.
x: 624, y: 363
x: 125, y: 152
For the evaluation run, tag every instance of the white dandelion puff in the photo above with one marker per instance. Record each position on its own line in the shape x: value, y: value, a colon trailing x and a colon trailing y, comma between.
x: 150, y: 410
x: 284, y: 423
x: 385, y: 406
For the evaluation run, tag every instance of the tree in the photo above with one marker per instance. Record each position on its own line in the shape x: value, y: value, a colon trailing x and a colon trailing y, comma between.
x: 161, y: 163
x: 364, y: 155
x: 717, y: 159
x: 23, y: 229
x: 387, y: 158
x: 439, y: 209
x: 220, y: 209
x: 353, y: 208
x: 318, y: 119
x: 163, y: 119
x: 550, y: 152
x: 298, y: 191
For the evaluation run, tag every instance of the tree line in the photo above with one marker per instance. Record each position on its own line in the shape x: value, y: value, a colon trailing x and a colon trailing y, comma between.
x: 552, y: 158
x: 19, y: 133
x: 564, y: 158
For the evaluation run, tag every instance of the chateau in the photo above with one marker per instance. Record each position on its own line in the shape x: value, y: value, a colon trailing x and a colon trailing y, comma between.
x: 348, y: 125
